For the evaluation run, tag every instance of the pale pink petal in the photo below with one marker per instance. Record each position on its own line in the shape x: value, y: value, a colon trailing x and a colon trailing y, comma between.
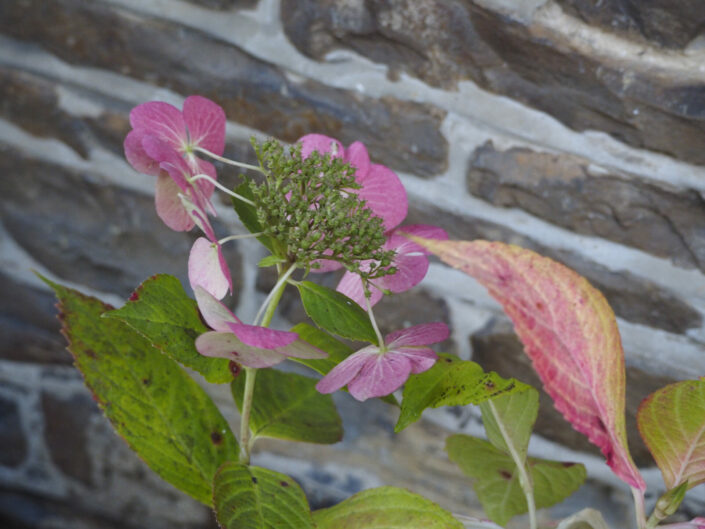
x: 169, y: 160
x: 421, y: 358
x: 199, y: 218
x: 206, y: 187
x: 168, y: 204
x: 381, y: 376
x: 424, y: 334
x: 698, y: 522
x: 351, y: 285
x: 137, y: 156
x: 385, y: 195
x: 301, y: 349
x: 408, y: 246
x: 226, y: 345
x: 163, y: 120
x: 322, y: 144
x: 205, y: 122
x: 262, y: 337
x: 346, y: 370
x: 207, y: 268
x: 356, y: 155
x: 216, y: 315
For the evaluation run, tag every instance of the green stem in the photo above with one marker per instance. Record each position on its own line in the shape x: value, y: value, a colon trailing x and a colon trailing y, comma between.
x: 371, y: 314
x: 228, y: 160
x: 524, y: 479
x: 221, y: 187
x: 639, y: 508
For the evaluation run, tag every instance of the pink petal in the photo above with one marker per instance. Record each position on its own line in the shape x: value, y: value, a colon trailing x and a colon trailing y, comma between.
x: 168, y: 204
x: 322, y: 144
x: 385, y: 195
x: 301, y: 349
x: 262, y: 337
x: 380, y: 376
x: 163, y: 120
x: 424, y: 334
x: 410, y: 272
x: 421, y: 358
x: 351, y: 285
x: 226, y: 345
x: 198, y: 217
x: 346, y: 370
x: 216, y: 314
x: 356, y: 155
x: 169, y: 160
x: 205, y: 121
x: 137, y: 156
x: 326, y: 266
x: 408, y: 246
x: 205, y: 187
x: 207, y: 268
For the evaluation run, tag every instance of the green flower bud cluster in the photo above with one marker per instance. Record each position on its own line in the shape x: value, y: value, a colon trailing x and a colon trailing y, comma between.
x: 309, y: 206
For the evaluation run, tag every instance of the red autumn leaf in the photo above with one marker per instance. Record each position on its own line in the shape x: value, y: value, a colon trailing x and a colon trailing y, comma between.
x: 569, y: 332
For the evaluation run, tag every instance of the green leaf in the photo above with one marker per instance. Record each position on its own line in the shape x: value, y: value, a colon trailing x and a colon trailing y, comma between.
x: 450, y: 382
x: 164, y: 416
x: 161, y: 311
x: 516, y: 413
x: 270, y: 260
x: 385, y: 508
x: 248, y: 216
x: 247, y: 497
x: 496, y: 480
x: 287, y: 406
x: 672, y: 423
x: 336, y: 313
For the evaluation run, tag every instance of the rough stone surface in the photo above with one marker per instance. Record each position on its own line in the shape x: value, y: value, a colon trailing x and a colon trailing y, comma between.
x: 444, y: 41
x: 665, y: 22
x: 12, y: 439
x: 402, y: 134
x: 631, y: 297
x: 498, y: 349
x: 563, y: 189
x: 226, y: 4
x: 82, y: 227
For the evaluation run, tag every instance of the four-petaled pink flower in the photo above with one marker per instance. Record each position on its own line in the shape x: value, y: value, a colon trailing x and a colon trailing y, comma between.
x: 248, y: 345
x: 162, y: 143
x: 375, y: 371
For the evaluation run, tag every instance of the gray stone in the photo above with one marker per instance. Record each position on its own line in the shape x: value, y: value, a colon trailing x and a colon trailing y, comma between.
x: 226, y: 4
x: 664, y: 22
x: 12, y: 439
x: 445, y: 41
x: 632, y: 298
x: 401, y: 134
x: 101, y: 236
x: 563, y: 190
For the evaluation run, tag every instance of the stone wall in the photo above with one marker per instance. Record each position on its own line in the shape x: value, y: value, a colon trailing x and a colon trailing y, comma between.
x: 573, y: 130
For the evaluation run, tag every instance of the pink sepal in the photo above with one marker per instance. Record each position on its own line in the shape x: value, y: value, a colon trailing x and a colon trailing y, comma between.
x: 207, y: 268
x: 262, y: 337
x: 205, y: 121
x: 215, y: 313
x: 168, y: 204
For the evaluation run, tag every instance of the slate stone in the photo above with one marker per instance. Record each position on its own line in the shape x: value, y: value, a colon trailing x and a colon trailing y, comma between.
x: 403, y: 135
x: 632, y: 298
x: 225, y: 4
x: 562, y: 189
x: 446, y: 41
x: 89, y: 232
x: 498, y: 349
x: 663, y: 22
x: 12, y: 438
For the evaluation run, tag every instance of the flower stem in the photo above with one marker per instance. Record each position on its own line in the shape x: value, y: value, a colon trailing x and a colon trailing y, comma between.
x: 270, y: 304
x: 245, y: 442
x: 238, y: 237
x: 373, y: 321
x: 639, y: 508
x: 221, y: 187
x: 228, y: 160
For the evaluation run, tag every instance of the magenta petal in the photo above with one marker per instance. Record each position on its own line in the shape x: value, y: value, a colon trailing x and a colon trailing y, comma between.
x: 168, y: 204
x: 226, y: 345
x: 346, y: 370
x: 421, y: 358
x: 206, y: 268
x: 322, y: 144
x: 137, y: 156
x: 216, y: 315
x: 205, y: 121
x: 424, y: 334
x: 203, y: 167
x: 351, y: 285
x: 169, y: 161
x: 262, y: 337
x: 356, y: 155
x: 301, y: 349
x: 410, y: 272
x: 326, y: 265
x: 381, y: 376
x: 163, y: 120
x: 385, y: 195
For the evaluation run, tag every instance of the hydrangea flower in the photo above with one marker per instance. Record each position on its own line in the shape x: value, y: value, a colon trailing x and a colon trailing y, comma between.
x: 163, y: 143
x: 376, y: 371
x: 248, y: 345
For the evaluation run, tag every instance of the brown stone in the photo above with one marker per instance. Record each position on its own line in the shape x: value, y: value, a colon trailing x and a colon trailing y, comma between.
x: 665, y: 22
x: 12, y: 439
x: 498, y: 349
x: 403, y: 135
x: 94, y: 234
x: 561, y: 189
x: 445, y: 41
x: 632, y: 298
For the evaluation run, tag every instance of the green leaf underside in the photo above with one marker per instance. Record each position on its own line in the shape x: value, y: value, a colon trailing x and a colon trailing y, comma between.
x: 248, y: 216
x: 287, y: 406
x: 248, y: 497
x: 163, y: 415
x: 517, y: 413
x: 336, y: 313
x: 672, y: 423
x: 385, y: 508
x: 450, y: 382
x: 161, y: 311
x: 496, y: 481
